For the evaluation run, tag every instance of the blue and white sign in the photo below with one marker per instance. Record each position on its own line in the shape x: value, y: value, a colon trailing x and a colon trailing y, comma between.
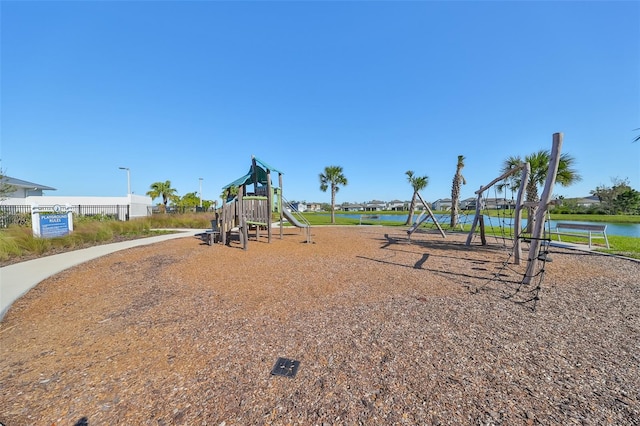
x: 54, y: 225
x: 50, y: 222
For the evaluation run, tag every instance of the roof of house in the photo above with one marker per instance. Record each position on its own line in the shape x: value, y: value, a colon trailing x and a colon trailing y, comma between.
x: 589, y: 199
x: 19, y: 183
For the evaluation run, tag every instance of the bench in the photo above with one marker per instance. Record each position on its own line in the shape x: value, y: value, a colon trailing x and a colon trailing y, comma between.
x: 369, y: 217
x: 581, y: 231
x: 213, y: 235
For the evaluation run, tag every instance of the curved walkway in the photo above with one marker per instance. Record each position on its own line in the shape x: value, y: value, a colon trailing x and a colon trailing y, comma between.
x: 19, y: 278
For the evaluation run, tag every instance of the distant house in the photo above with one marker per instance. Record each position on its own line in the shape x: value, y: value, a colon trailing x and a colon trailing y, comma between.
x: 299, y: 207
x: 397, y: 205
x: 375, y: 206
x: 468, y: 204
x: 442, y: 204
x: 587, y: 201
x: 498, y: 203
x: 28, y: 194
x: 314, y: 207
x: 419, y: 206
x: 24, y: 189
x: 489, y: 204
x: 351, y: 207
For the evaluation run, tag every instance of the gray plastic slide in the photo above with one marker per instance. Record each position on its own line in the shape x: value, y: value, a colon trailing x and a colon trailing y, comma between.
x: 292, y: 220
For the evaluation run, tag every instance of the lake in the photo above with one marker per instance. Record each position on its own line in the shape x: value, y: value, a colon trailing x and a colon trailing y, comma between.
x: 621, y: 229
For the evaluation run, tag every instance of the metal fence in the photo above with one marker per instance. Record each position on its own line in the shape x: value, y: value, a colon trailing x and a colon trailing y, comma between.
x: 21, y: 214
x: 177, y: 210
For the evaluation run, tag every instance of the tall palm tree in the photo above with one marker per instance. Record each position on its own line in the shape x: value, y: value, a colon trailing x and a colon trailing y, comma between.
x: 418, y: 183
x: 164, y: 190
x: 332, y: 178
x: 455, y: 191
x: 229, y: 193
x: 511, y: 182
x: 539, y: 163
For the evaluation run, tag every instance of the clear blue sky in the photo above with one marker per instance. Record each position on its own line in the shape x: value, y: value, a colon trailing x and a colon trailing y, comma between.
x: 186, y: 90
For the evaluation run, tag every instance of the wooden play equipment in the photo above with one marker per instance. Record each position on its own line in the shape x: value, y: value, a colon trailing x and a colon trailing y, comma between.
x: 423, y: 217
x: 537, y: 220
x: 478, y: 218
x: 541, y: 211
x: 255, y: 209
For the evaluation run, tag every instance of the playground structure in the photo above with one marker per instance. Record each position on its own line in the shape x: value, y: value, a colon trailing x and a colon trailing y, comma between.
x: 525, y: 168
x: 423, y: 217
x: 536, y: 221
x: 256, y: 209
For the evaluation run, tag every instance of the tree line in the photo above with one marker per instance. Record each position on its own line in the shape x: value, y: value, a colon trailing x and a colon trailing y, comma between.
x: 619, y: 198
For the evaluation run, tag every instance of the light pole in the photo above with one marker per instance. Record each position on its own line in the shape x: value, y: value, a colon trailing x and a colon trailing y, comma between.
x: 200, y: 193
x: 128, y: 179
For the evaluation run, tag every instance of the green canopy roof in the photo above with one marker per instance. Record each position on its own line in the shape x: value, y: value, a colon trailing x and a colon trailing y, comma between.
x: 261, y: 168
x: 266, y: 166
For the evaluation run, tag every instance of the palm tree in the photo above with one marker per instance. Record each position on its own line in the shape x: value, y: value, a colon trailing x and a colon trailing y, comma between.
x: 229, y: 193
x: 511, y: 182
x: 418, y: 183
x: 332, y: 177
x: 539, y: 163
x: 164, y: 190
x: 455, y: 191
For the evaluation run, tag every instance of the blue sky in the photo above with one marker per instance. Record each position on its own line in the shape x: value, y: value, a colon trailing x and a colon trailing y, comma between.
x: 186, y: 90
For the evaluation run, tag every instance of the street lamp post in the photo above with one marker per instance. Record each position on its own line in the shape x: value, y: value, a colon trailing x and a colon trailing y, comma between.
x: 128, y: 179
x: 200, y: 193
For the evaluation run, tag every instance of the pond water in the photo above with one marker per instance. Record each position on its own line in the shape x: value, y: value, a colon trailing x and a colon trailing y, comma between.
x: 621, y: 229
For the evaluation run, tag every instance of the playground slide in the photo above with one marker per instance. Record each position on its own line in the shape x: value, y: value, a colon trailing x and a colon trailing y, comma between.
x: 292, y: 220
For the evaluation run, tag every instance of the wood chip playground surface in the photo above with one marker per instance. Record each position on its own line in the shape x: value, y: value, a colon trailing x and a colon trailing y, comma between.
x: 383, y: 330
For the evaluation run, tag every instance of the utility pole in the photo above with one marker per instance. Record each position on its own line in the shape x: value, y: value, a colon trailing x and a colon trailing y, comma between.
x: 128, y: 179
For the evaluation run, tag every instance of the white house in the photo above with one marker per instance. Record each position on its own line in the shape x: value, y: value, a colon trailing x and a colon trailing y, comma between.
x: 314, y: 207
x: 468, y: 204
x: 24, y: 189
x: 488, y: 203
x: 375, y: 206
x: 30, y: 194
x: 398, y: 205
x: 442, y: 204
x: 347, y: 207
x: 299, y: 207
x: 587, y: 201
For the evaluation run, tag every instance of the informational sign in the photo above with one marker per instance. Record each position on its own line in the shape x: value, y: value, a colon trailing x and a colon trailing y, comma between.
x: 50, y: 222
x: 54, y: 225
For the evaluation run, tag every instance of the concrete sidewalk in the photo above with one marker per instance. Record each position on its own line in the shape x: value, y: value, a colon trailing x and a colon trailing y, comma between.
x: 19, y: 278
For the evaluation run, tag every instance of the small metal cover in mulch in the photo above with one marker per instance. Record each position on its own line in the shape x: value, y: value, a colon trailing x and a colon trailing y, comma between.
x: 285, y: 367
